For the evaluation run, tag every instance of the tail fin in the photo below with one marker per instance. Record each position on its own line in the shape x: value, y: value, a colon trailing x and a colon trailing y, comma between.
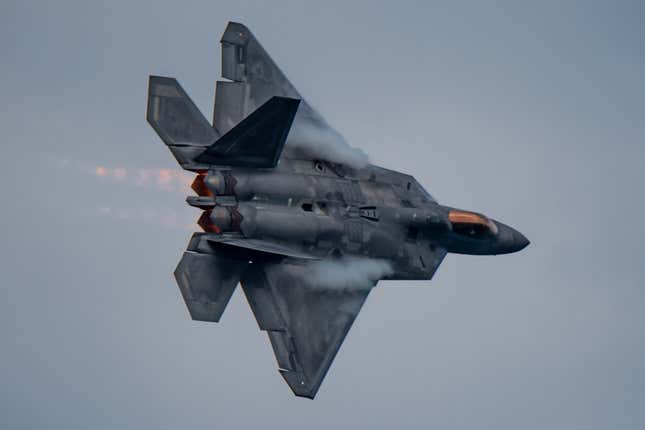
x: 178, y: 121
x: 258, y: 139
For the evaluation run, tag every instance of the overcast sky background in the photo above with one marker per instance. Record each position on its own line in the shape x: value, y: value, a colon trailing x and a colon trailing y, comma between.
x: 531, y: 113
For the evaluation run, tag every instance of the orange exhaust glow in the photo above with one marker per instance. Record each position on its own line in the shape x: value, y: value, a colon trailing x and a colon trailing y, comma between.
x: 199, y: 186
x: 206, y: 224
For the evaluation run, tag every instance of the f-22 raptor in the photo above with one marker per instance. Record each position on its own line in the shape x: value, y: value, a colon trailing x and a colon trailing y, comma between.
x: 295, y: 214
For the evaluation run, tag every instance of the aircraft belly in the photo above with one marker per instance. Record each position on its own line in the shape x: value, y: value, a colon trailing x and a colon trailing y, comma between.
x: 295, y: 214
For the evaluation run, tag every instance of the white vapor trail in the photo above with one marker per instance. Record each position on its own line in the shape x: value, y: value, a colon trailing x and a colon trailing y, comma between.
x: 325, y: 143
x: 349, y: 273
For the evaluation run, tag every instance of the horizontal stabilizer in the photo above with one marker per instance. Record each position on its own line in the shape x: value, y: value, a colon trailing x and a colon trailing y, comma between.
x: 178, y: 121
x: 207, y: 279
x: 257, y: 141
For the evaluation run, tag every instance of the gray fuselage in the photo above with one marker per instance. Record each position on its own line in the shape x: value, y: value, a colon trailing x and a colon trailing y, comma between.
x: 321, y: 209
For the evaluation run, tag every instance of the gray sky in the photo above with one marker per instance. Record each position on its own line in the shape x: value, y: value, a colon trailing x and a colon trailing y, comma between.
x: 532, y: 113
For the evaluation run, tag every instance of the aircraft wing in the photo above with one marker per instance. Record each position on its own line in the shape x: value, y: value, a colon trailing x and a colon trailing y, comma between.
x: 254, y: 79
x: 306, y: 324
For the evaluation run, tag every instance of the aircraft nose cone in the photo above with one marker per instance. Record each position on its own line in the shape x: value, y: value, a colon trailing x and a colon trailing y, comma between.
x: 509, y: 240
x: 519, y: 241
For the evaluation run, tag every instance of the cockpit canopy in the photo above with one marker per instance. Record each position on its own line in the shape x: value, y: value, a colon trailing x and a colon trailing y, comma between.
x: 471, y: 224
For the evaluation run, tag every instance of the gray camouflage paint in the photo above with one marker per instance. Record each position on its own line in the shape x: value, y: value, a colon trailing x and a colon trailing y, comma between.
x: 321, y: 201
x: 549, y: 94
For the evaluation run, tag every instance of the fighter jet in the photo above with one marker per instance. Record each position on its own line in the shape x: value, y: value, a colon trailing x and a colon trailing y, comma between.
x: 295, y: 214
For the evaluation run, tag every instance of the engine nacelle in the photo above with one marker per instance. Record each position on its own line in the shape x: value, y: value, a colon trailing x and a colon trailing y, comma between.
x: 245, y: 185
x: 220, y: 219
x: 287, y: 224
